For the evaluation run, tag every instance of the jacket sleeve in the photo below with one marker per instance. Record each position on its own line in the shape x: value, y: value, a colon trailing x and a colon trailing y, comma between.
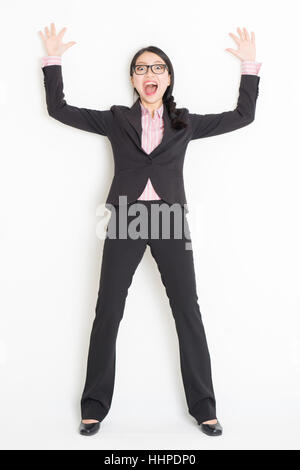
x: 89, y: 120
x: 207, y: 125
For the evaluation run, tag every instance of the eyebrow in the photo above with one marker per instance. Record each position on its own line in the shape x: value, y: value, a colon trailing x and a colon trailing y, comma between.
x: 146, y: 64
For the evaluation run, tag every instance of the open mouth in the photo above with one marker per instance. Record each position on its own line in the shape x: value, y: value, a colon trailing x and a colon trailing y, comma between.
x: 150, y: 89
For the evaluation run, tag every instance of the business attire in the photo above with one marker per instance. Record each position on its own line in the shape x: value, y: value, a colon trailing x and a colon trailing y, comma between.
x: 149, y: 156
x: 123, y: 127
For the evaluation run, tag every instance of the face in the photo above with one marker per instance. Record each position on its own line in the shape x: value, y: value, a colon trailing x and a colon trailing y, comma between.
x: 163, y: 80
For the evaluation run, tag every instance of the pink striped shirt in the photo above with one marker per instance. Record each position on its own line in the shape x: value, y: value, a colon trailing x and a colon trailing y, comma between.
x: 153, y: 128
x: 152, y: 133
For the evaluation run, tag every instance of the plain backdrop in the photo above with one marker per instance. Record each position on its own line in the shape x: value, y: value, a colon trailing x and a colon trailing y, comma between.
x: 243, y: 194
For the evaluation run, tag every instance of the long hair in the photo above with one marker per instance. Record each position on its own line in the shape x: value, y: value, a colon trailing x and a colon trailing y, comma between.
x: 168, y: 98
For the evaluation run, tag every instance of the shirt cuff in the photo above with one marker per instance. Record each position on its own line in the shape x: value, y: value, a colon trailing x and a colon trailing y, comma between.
x: 251, y: 67
x: 51, y: 60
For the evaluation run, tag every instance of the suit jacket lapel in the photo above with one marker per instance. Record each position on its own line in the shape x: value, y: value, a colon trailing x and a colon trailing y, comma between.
x: 134, y: 116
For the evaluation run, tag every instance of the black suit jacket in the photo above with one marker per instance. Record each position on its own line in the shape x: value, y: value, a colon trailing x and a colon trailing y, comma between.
x: 122, y: 125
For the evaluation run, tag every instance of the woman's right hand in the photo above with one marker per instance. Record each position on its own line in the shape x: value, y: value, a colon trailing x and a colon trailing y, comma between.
x: 53, y: 42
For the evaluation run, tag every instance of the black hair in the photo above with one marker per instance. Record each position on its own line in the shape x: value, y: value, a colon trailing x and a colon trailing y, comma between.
x: 168, y: 98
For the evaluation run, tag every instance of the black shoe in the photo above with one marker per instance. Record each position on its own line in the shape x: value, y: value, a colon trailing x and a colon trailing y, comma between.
x: 212, y: 429
x: 88, y: 429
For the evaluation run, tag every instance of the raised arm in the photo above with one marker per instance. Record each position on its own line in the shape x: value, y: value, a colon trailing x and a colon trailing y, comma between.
x: 89, y: 120
x: 207, y: 125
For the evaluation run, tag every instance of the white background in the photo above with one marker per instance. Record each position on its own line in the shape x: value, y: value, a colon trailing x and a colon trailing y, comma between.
x: 243, y: 194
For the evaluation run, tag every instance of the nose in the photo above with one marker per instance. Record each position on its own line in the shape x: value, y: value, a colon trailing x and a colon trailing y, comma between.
x: 149, y: 75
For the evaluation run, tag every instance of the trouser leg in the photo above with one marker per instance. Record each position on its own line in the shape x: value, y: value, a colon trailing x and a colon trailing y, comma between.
x: 176, y: 266
x: 119, y: 262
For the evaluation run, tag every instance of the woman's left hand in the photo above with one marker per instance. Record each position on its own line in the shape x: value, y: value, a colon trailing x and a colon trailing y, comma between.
x: 246, y: 46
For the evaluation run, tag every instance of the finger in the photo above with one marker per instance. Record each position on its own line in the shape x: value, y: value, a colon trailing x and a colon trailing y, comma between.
x: 246, y: 34
x: 252, y: 37
x: 240, y: 33
x: 47, y: 32
x: 235, y: 38
x: 53, y: 30
x: 62, y: 32
x: 42, y: 36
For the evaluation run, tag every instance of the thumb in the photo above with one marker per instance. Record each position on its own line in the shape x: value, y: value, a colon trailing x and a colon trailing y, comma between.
x: 69, y: 44
x: 233, y: 52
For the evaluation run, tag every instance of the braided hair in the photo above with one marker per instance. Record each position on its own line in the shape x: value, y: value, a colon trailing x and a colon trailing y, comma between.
x: 174, y: 113
x: 177, y: 122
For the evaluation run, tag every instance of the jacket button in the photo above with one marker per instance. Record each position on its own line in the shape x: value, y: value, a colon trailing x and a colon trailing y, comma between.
x: 150, y: 161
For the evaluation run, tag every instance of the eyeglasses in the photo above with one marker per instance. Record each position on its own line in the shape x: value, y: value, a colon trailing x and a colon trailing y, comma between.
x: 156, y: 68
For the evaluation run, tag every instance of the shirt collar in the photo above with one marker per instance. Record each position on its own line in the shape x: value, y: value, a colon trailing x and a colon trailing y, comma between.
x: 158, y: 111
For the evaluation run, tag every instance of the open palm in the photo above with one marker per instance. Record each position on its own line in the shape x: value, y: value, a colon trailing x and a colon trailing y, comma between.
x: 246, y: 45
x: 53, y: 42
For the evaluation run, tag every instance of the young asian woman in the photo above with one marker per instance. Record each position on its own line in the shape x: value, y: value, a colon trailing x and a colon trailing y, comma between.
x: 149, y: 141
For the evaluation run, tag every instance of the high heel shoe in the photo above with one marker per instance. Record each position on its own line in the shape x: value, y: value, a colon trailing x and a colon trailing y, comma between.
x: 88, y: 429
x: 212, y: 429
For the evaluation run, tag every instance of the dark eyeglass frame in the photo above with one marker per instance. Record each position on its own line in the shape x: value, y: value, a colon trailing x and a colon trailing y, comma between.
x: 153, y: 65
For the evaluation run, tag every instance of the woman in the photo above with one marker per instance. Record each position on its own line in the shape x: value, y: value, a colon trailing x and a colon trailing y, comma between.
x: 149, y: 142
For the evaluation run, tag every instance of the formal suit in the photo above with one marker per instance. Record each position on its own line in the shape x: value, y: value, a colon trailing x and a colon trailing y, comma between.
x: 122, y: 126
x: 121, y: 256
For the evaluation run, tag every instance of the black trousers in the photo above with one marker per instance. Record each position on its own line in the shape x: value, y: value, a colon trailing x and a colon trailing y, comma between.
x: 120, y: 259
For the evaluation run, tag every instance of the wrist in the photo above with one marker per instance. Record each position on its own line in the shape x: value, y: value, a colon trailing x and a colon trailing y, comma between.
x: 51, y: 60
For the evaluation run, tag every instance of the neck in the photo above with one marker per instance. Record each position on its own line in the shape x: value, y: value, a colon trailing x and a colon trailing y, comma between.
x: 152, y: 107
